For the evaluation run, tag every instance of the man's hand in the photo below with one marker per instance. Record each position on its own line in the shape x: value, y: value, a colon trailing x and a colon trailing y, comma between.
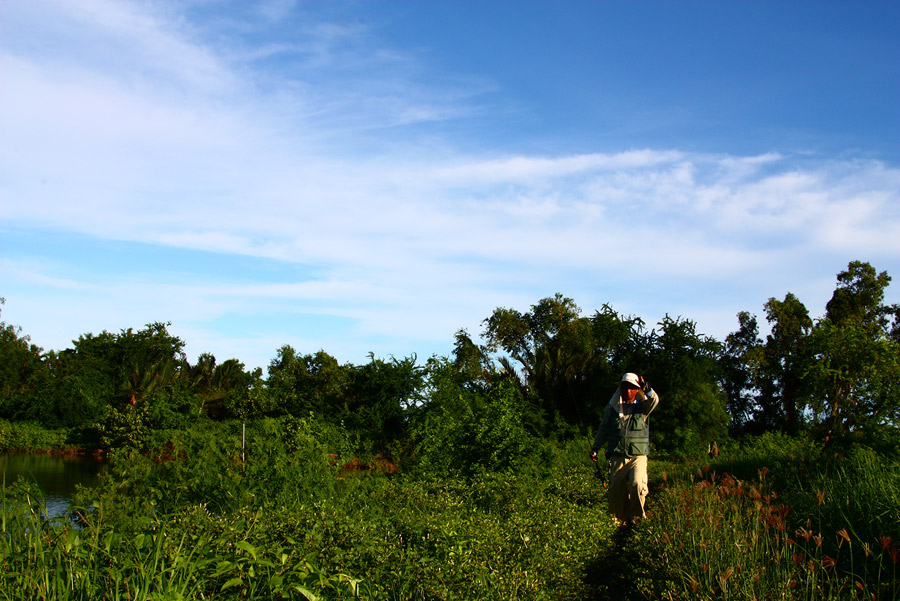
x: 645, y: 386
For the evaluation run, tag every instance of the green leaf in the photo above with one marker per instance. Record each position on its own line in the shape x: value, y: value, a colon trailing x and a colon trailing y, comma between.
x: 306, y: 593
x: 231, y: 583
x: 242, y: 544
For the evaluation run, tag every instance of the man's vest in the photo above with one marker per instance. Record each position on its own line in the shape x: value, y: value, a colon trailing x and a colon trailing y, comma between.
x: 632, y: 435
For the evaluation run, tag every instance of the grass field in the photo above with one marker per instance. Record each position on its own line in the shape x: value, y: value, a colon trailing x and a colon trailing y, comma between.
x: 776, y: 518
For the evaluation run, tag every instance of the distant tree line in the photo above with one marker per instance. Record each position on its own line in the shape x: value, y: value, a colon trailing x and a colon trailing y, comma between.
x: 545, y: 372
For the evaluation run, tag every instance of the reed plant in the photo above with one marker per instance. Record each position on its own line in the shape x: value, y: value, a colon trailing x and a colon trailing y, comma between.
x: 714, y: 536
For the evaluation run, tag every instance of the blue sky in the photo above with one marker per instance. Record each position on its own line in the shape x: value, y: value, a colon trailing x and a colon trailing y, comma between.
x: 373, y: 176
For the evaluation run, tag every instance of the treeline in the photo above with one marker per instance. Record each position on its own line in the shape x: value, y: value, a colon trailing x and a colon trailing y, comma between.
x: 545, y: 372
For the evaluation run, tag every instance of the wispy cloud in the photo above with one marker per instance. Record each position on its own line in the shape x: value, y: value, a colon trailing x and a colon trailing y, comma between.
x: 138, y: 127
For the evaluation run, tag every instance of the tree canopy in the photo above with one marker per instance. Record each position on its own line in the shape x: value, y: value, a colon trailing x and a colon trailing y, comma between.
x: 547, y: 370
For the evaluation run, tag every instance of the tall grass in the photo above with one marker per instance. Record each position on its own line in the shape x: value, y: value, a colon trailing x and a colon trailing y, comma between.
x: 47, y: 558
x: 821, y: 527
x: 399, y: 539
x: 289, y: 524
x: 777, y: 519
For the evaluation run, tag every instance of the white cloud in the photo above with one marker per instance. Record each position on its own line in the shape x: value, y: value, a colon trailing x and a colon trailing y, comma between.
x: 172, y: 142
x: 528, y: 169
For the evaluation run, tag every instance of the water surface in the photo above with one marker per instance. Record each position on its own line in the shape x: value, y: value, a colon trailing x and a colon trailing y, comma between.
x: 56, y: 475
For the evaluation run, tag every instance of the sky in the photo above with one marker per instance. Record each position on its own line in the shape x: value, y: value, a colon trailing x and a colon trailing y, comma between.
x: 371, y: 177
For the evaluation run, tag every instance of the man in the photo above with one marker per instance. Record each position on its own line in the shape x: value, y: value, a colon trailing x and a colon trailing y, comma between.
x: 626, y: 432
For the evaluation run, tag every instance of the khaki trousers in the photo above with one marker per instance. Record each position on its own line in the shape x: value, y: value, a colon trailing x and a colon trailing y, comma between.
x: 628, y: 487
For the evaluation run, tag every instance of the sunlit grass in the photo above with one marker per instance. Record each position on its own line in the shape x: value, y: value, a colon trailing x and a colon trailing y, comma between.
x: 497, y: 536
x: 717, y: 537
x: 188, y: 556
x: 779, y: 520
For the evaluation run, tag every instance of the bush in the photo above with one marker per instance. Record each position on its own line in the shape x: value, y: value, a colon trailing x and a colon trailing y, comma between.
x: 494, y: 535
x: 26, y: 436
x: 463, y: 432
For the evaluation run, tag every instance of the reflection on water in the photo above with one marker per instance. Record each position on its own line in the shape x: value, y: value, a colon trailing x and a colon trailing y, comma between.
x: 55, y: 475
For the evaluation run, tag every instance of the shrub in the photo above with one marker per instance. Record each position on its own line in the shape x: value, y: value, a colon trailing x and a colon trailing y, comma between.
x: 26, y: 436
x: 462, y: 432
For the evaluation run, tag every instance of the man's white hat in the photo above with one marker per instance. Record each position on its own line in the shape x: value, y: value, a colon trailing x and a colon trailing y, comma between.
x: 632, y: 379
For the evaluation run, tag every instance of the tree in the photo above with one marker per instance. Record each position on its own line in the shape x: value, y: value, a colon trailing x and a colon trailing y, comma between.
x: 618, y: 341
x: 461, y: 431
x: 741, y: 360
x: 135, y: 376
x: 472, y: 365
x: 855, y: 378
x: 379, y: 395
x: 856, y: 358
x: 522, y: 335
x: 22, y: 372
x: 304, y: 384
x: 859, y: 299
x: 620, y: 344
x: 786, y: 357
x: 554, y: 348
x: 894, y: 332
x: 682, y: 366
x: 219, y: 386
x: 128, y: 365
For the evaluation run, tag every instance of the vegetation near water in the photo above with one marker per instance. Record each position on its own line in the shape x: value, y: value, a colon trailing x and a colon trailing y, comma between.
x: 468, y: 477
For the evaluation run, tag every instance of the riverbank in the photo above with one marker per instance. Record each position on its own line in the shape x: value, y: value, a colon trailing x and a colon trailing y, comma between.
x: 29, y: 437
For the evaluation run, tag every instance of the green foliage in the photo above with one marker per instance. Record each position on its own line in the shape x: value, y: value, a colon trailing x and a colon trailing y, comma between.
x: 859, y: 490
x: 617, y: 342
x: 741, y: 362
x: 462, y: 431
x: 21, y: 373
x: 379, y: 395
x: 190, y: 554
x: 68, y: 398
x: 222, y: 390
x: 27, y: 436
x: 91, y: 385
x: 303, y: 384
x: 553, y: 348
x: 124, y: 428
x: 682, y: 367
x: 774, y: 518
x: 836, y: 375
x: 495, y: 536
x: 495, y: 498
x: 472, y: 365
x: 129, y: 364
x: 856, y: 378
x: 859, y: 299
x: 173, y: 407
x: 786, y: 357
x: 570, y: 364
x: 370, y: 400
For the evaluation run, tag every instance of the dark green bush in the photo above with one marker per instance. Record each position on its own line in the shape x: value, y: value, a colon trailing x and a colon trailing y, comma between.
x: 27, y: 436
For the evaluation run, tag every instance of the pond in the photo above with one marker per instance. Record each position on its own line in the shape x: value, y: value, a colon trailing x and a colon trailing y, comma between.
x: 56, y: 475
